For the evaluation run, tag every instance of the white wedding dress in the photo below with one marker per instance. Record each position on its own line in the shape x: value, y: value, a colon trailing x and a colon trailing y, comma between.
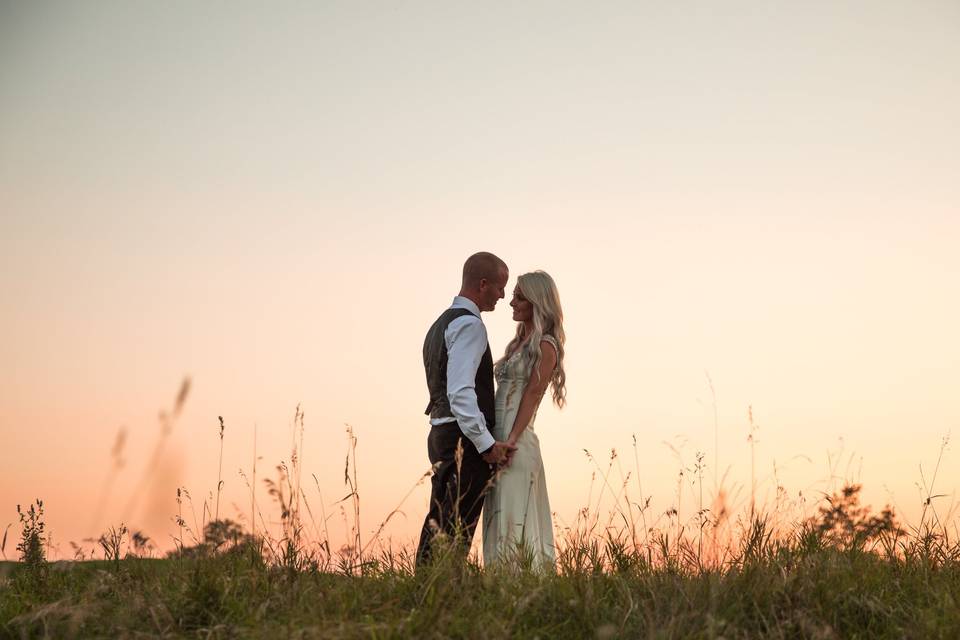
x: 516, y: 511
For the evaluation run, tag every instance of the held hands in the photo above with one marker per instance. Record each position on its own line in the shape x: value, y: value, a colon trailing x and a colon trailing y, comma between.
x: 511, y: 444
x: 501, y: 453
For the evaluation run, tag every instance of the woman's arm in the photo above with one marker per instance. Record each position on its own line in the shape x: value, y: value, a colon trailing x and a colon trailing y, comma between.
x: 533, y: 392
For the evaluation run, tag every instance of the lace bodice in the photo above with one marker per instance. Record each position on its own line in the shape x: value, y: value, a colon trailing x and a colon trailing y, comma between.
x: 517, y: 366
x: 512, y: 375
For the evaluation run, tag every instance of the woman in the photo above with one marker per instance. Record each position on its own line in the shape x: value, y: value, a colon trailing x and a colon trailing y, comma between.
x: 516, y: 512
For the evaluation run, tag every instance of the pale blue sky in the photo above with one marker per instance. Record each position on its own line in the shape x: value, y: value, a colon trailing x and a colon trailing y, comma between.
x: 276, y: 199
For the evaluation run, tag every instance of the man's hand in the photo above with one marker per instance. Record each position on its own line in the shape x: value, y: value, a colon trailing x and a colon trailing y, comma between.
x: 499, y: 453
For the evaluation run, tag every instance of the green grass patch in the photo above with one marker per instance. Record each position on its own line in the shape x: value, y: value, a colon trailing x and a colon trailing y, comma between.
x: 821, y: 594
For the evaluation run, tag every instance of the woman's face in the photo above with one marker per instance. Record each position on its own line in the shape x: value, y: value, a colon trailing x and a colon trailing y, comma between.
x: 522, y: 308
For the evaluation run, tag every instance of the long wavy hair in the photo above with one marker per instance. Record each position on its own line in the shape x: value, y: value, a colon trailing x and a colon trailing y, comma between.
x: 539, y: 288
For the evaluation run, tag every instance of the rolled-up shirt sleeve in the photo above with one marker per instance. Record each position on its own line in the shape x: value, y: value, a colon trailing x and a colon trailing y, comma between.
x: 466, y: 340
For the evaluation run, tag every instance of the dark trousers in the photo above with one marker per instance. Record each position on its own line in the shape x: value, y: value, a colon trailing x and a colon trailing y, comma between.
x: 457, y: 488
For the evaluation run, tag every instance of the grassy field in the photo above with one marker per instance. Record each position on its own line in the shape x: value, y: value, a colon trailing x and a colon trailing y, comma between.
x: 833, y: 577
x: 715, y: 572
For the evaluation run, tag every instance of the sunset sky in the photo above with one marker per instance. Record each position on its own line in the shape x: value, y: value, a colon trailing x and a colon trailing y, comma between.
x: 275, y: 200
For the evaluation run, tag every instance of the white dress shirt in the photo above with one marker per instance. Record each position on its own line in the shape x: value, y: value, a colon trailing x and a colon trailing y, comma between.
x: 466, y: 340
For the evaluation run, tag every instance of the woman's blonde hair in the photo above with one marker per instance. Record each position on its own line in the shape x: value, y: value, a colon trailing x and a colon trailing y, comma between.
x: 539, y: 288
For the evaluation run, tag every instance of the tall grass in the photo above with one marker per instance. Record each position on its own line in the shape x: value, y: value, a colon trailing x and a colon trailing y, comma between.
x: 715, y: 568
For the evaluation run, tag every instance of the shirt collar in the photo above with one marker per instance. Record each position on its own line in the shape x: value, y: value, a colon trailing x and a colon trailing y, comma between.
x: 459, y: 302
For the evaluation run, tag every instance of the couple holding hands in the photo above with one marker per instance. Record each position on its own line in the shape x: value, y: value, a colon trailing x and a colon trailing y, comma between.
x: 482, y: 445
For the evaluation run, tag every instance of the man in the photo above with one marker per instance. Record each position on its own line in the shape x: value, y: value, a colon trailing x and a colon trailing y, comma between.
x: 459, y: 369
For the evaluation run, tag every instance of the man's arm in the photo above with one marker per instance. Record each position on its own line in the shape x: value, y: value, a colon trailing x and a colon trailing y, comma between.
x: 466, y: 340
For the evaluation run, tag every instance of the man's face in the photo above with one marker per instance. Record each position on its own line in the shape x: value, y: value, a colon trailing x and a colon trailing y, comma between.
x: 492, y: 291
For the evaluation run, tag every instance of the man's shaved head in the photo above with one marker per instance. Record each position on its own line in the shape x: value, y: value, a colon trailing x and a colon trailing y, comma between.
x: 482, y: 266
x: 484, y: 280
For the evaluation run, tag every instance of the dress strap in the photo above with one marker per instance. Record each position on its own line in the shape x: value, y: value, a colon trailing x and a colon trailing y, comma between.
x: 553, y: 341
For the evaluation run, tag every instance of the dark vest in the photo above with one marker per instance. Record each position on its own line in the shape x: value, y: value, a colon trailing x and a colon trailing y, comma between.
x: 435, y: 365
